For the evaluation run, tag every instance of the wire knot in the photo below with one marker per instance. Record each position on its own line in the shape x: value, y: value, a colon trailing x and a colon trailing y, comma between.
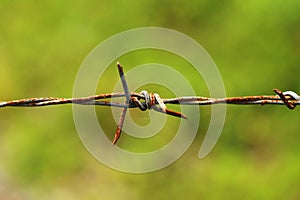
x: 151, y: 99
x: 290, y: 94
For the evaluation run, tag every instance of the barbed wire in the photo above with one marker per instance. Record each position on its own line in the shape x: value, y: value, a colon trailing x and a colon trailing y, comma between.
x: 145, y: 100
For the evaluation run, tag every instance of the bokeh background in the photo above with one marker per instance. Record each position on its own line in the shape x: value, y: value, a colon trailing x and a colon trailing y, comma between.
x: 256, y: 46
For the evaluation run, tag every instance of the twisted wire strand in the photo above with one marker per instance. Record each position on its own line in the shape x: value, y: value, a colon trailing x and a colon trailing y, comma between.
x: 145, y: 100
x: 186, y: 100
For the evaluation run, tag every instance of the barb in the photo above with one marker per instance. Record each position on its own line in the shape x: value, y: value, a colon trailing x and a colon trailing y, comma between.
x: 124, y: 110
x: 145, y: 100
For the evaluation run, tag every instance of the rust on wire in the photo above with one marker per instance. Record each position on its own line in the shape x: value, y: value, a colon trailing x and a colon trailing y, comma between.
x: 145, y: 100
x: 124, y: 109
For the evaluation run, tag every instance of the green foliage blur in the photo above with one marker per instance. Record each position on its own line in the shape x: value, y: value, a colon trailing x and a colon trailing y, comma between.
x: 256, y: 46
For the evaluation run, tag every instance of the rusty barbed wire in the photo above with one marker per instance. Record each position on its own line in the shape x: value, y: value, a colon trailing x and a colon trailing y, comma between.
x: 145, y: 100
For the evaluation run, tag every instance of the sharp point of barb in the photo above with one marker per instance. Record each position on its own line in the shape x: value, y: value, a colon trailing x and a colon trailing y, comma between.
x: 117, y: 135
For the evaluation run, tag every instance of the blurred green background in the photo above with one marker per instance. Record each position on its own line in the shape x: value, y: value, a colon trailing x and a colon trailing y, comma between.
x: 256, y: 46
